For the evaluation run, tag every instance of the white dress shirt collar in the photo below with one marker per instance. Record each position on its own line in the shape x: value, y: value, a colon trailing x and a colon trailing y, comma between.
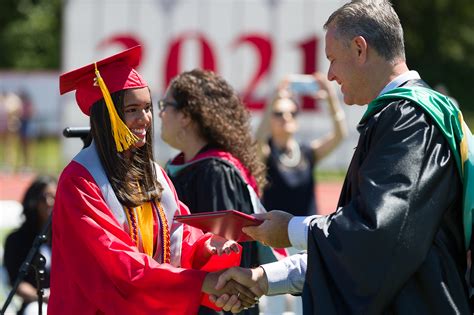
x: 399, y: 80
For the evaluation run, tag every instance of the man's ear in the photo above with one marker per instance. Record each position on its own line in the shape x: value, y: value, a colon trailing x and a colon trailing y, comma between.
x: 359, y: 47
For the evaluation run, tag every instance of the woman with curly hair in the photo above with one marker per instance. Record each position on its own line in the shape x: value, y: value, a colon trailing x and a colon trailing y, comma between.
x: 217, y: 169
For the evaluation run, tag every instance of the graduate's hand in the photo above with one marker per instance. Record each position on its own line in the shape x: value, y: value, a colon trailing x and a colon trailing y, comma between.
x: 236, y: 294
x: 274, y: 229
x: 219, y: 245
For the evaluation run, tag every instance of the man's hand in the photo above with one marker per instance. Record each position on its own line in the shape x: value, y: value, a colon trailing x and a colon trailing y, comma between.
x: 237, y: 294
x: 273, y: 231
x: 255, y: 279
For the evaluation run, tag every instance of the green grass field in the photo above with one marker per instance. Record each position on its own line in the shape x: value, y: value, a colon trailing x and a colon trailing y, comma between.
x: 45, y: 156
x: 329, y: 176
x: 47, y: 159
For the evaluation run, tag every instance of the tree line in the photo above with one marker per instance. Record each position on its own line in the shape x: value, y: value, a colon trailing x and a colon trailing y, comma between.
x: 439, y: 40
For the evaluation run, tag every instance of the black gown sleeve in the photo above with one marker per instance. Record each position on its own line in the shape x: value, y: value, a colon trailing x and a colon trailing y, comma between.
x: 214, y: 185
x: 362, y: 256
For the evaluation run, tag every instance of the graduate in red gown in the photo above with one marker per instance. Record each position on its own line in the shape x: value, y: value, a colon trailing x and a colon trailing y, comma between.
x: 116, y: 247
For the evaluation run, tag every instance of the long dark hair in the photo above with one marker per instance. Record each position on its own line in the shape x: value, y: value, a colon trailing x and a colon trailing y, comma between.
x: 133, y: 181
x: 222, y: 118
x: 33, y: 196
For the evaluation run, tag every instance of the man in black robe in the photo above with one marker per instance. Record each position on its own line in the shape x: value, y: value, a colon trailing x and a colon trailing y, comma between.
x: 396, y: 244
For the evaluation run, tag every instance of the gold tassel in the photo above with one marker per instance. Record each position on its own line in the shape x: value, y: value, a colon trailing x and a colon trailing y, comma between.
x: 123, y: 137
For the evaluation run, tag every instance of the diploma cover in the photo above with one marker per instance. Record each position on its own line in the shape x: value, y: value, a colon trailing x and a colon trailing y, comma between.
x: 225, y: 223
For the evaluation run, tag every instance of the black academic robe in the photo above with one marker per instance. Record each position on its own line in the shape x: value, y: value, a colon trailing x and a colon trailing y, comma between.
x: 213, y: 184
x: 396, y: 244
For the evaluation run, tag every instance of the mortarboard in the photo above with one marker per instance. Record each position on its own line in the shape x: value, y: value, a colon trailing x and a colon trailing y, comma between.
x: 97, y: 80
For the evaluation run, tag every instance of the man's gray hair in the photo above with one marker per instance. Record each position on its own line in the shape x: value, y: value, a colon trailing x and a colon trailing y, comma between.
x: 376, y: 21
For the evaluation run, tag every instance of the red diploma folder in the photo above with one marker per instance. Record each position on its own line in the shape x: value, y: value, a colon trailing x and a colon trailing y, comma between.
x: 226, y: 223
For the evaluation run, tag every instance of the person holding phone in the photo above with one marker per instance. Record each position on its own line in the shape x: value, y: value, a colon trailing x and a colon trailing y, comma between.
x: 290, y: 164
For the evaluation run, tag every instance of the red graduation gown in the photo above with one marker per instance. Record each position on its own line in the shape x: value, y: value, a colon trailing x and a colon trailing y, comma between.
x: 97, y: 269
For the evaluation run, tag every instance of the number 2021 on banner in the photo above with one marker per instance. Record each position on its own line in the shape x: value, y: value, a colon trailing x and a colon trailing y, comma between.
x: 262, y: 45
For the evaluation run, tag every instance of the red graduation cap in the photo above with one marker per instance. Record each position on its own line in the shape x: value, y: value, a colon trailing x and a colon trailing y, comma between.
x: 117, y: 71
x: 97, y: 80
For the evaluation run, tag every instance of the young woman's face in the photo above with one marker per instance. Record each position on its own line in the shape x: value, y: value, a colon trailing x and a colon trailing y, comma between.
x: 46, y: 202
x: 283, y: 119
x: 137, y: 112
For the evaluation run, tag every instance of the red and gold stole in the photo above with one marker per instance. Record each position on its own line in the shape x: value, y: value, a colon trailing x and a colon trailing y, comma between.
x: 141, y: 221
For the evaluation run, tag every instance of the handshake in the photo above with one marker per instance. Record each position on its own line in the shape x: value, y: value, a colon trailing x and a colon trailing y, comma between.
x: 239, y: 288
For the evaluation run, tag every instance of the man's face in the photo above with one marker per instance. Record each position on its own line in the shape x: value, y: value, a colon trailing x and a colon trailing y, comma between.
x: 344, y: 69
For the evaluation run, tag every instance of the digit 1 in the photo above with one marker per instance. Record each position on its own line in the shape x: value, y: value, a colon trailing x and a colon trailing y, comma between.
x: 309, y: 49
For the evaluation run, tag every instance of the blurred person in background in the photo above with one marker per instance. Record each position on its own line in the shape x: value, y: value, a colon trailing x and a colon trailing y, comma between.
x: 116, y: 247
x: 290, y: 164
x: 37, y: 204
x: 26, y: 131
x: 217, y: 168
x: 3, y: 129
x: 12, y: 110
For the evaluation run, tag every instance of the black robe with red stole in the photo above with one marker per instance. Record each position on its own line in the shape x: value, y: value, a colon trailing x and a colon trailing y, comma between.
x: 212, y: 183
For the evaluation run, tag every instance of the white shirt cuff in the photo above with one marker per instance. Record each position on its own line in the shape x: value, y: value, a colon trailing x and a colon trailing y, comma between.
x: 286, y: 275
x: 298, y: 231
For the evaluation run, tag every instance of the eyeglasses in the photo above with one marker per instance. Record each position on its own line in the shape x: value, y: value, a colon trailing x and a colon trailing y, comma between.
x: 281, y: 114
x: 163, y: 103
